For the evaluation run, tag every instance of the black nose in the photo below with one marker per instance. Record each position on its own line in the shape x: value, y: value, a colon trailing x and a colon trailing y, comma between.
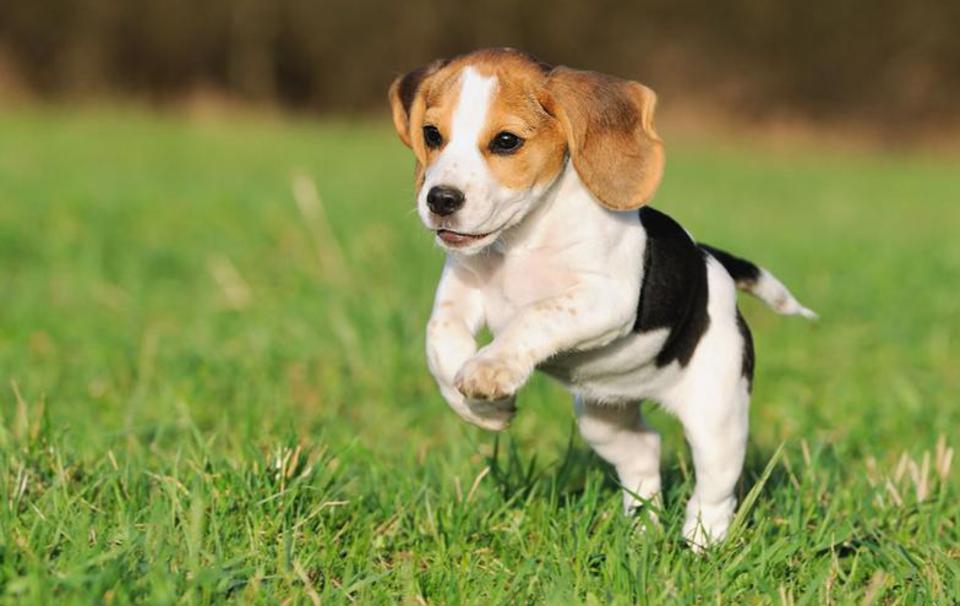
x: 444, y: 200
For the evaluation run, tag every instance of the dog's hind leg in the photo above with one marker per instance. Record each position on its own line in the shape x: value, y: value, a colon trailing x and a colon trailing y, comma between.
x: 617, y: 433
x: 715, y: 421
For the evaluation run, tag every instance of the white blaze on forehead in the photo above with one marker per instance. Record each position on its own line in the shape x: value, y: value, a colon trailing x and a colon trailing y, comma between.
x: 461, y: 163
x: 470, y: 115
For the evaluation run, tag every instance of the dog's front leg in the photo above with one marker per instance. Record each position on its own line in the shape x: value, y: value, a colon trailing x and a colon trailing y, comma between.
x: 582, y: 318
x: 457, y: 316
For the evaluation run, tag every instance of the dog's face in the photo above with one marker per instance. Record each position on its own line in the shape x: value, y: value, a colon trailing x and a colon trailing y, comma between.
x: 492, y: 131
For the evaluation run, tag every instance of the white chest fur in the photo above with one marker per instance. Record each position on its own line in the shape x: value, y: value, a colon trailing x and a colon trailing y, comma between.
x: 564, y: 244
x: 568, y: 244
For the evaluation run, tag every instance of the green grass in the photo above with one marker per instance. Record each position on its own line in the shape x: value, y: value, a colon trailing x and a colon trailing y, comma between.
x: 210, y: 393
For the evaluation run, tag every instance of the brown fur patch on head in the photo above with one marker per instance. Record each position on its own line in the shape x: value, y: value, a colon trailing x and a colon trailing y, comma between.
x: 429, y: 95
x: 608, y: 123
x: 426, y: 95
x: 403, y: 93
x: 604, y: 123
x: 516, y: 108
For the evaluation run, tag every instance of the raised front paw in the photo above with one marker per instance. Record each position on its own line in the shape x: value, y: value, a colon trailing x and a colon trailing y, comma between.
x: 490, y: 378
x: 492, y: 415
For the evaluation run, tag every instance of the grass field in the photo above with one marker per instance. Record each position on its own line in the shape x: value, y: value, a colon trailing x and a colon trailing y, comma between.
x: 213, y: 385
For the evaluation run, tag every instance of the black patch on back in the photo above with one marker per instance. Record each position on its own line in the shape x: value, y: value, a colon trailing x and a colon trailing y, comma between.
x: 674, y: 291
x: 741, y: 270
x: 746, y: 367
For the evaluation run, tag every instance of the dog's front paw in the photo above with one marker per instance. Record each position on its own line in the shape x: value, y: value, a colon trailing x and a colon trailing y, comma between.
x: 492, y: 415
x: 490, y: 378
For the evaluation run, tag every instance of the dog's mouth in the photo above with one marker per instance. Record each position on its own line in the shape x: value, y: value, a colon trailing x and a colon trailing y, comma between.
x: 456, y: 239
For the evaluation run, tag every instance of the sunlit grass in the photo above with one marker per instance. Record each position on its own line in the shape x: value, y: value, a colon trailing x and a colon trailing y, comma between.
x: 213, y: 384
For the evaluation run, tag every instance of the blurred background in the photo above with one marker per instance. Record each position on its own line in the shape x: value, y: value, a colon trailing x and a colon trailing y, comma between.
x: 213, y: 294
x: 884, y: 66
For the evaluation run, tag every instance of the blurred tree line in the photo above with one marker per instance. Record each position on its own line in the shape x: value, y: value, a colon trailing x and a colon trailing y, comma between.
x: 892, y: 62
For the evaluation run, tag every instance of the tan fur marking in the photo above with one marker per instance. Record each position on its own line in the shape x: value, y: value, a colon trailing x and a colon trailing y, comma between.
x: 604, y: 123
x: 425, y: 94
x: 516, y: 109
x: 608, y: 123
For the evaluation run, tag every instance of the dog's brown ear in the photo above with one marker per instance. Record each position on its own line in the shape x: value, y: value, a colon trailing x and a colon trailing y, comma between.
x: 608, y: 123
x: 403, y: 93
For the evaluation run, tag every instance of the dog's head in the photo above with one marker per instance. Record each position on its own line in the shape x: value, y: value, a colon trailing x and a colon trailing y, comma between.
x: 492, y: 130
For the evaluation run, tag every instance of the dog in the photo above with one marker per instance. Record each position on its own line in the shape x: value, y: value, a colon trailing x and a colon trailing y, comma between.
x: 534, y: 179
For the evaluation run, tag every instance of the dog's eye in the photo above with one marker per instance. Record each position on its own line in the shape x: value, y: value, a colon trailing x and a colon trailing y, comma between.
x: 432, y: 137
x: 505, y: 143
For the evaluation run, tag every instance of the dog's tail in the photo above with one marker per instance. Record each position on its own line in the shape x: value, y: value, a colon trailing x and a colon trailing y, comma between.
x: 760, y: 283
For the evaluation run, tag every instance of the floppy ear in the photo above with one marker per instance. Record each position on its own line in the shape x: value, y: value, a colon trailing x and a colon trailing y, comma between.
x: 402, y: 94
x: 608, y: 123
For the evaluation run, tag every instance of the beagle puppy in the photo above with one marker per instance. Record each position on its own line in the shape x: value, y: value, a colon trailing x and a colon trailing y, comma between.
x: 534, y: 180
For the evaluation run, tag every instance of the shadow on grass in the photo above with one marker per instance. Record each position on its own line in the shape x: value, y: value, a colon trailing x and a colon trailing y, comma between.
x: 569, y: 479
